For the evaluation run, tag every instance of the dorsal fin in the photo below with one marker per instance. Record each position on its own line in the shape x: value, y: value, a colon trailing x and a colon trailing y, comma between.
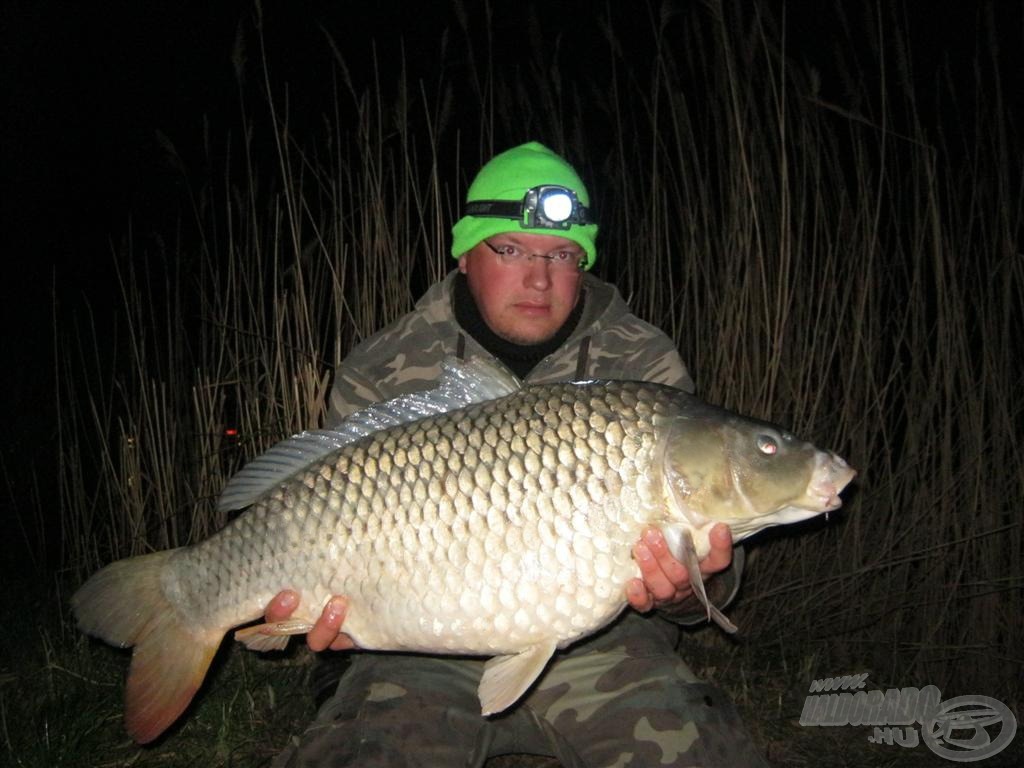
x: 461, y: 384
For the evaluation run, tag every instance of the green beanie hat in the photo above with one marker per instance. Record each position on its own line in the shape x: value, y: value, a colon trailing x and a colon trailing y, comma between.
x: 508, y: 177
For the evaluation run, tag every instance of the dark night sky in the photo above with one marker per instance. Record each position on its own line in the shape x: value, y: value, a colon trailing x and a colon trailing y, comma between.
x: 85, y: 91
x: 86, y: 87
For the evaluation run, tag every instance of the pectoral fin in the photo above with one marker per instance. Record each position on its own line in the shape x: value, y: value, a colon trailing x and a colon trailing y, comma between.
x: 506, y: 678
x: 272, y: 636
x: 687, y: 554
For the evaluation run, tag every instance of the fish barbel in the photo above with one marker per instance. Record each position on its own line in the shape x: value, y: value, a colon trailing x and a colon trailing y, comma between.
x: 483, y: 517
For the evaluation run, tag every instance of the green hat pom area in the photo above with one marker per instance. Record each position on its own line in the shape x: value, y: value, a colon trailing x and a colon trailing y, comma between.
x: 509, y: 176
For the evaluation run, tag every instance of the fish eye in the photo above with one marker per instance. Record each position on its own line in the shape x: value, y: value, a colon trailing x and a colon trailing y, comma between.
x: 767, y: 445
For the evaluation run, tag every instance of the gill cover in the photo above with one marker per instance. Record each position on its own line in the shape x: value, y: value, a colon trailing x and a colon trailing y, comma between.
x: 720, y: 468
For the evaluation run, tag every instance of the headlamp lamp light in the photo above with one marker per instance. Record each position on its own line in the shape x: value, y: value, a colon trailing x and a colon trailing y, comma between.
x: 545, y: 207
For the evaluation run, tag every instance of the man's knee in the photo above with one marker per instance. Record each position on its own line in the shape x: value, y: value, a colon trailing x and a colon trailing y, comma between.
x: 394, y: 711
x: 641, y: 711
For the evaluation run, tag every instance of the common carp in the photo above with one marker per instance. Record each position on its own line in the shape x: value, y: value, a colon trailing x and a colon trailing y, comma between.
x: 482, y: 517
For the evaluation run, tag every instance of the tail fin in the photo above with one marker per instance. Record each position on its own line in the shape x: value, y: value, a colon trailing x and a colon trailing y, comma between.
x: 125, y: 605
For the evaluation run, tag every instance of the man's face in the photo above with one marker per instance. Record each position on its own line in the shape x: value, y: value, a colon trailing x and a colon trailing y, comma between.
x: 524, y: 302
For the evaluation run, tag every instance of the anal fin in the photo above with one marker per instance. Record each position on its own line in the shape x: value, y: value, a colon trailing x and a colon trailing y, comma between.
x: 272, y: 636
x: 506, y: 678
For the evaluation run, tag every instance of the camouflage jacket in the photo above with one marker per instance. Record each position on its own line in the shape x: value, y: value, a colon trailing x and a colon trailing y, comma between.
x: 609, y: 342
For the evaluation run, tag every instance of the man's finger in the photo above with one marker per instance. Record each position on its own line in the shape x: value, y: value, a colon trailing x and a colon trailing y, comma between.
x: 282, y: 606
x: 652, y: 571
x: 325, y: 631
x: 674, y: 571
x: 720, y: 556
x: 654, y: 577
x: 638, y: 596
x: 343, y: 643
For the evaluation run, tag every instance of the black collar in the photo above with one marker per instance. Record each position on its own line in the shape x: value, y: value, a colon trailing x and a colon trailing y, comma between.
x: 519, y: 358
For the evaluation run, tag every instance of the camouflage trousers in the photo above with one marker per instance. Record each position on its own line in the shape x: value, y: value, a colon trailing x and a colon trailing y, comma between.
x: 621, y: 698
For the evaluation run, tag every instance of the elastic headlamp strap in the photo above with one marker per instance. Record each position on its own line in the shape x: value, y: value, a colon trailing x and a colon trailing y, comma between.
x: 529, y: 212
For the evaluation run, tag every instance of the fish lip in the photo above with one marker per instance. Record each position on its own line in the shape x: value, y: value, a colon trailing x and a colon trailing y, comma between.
x: 831, y: 475
x: 825, y: 496
x: 833, y: 503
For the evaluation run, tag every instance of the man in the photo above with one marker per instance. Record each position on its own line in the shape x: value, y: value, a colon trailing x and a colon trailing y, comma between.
x: 522, y: 296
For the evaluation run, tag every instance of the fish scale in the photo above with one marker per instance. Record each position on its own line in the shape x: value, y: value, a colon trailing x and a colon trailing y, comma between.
x: 487, y: 519
x: 388, y: 541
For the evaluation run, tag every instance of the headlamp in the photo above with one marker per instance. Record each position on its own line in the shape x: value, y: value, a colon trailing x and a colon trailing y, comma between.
x: 544, y: 207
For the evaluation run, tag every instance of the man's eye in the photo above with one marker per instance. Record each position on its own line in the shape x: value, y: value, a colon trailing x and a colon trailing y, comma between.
x: 565, y: 256
x: 508, y: 250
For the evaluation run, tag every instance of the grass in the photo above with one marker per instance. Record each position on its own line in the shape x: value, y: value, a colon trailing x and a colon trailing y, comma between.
x: 61, y: 702
x: 837, y: 251
x: 60, y: 705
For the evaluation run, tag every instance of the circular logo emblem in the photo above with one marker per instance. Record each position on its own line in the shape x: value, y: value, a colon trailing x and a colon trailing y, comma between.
x: 958, y: 730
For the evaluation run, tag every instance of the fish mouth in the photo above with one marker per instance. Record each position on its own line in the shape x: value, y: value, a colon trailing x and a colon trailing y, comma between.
x: 831, y: 475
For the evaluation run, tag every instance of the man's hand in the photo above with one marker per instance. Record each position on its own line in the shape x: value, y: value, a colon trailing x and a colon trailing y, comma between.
x: 326, y: 633
x: 664, y: 579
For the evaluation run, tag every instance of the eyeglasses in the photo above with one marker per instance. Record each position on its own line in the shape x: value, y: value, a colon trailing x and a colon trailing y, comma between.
x: 560, y: 260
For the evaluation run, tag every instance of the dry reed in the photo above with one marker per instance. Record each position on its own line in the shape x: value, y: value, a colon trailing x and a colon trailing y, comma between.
x: 840, y: 264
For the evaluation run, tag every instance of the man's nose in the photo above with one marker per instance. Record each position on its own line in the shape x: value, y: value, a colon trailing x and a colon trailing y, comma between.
x: 538, y: 273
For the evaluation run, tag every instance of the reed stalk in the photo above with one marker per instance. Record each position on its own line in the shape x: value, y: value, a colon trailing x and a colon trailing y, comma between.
x: 844, y: 263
